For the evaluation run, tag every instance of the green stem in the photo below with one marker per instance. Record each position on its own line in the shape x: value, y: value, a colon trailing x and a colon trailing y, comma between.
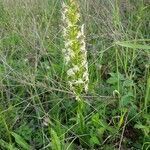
x: 147, y: 96
x: 80, y: 115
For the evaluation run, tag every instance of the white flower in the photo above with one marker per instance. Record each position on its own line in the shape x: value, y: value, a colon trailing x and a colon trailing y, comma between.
x: 71, y: 52
x: 75, y: 53
x: 64, y: 30
x: 83, y: 46
x: 69, y: 23
x: 64, y: 7
x: 70, y: 72
x: 70, y: 84
x: 77, y: 98
x: 77, y: 16
x: 67, y: 59
x: 79, y: 81
x: 63, y: 16
x: 75, y: 68
x: 85, y: 75
x: 86, y: 87
x: 79, y: 35
x: 68, y: 43
x: 84, y: 64
x: 64, y: 50
x: 82, y: 29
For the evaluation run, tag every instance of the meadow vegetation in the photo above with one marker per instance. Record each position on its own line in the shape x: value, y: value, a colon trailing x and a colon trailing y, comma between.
x: 39, y: 110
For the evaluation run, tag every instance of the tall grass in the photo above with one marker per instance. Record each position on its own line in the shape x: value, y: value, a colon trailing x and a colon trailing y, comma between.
x: 38, y: 108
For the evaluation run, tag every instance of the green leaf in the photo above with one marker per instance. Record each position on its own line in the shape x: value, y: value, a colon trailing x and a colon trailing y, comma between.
x: 20, y: 141
x: 56, y: 144
x: 112, y: 80
x: 101, y: 131
x: 94, y: 140
x: 133, y: 45
x: 126, y: 99
x: 146, y: 116
x: 115, y: 78
x: 128, y: 83
x: 145, y: 129
x: 95, y: 119
x: 133, y: 111
x: 6, y: 145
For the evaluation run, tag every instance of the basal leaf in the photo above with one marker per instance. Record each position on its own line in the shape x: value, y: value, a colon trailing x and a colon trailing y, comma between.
x: 20, y: 141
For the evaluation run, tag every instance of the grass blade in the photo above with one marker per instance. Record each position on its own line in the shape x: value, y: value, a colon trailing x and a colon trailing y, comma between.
x: 133, y: 45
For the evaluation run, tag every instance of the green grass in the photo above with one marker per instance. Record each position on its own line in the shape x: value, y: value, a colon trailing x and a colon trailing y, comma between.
x: 37, y: 108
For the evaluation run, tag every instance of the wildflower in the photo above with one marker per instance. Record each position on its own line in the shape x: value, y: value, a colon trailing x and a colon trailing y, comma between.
x: 76, y: 68
x: 75, y: 54
x: 70, y: 72
x: 67, y: 59
x: 79, y: 81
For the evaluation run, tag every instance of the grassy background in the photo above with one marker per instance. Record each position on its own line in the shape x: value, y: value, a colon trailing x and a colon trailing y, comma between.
x: 37, y: 109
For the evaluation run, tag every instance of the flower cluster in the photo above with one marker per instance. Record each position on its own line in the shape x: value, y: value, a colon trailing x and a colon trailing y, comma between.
x: 74, y: 51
